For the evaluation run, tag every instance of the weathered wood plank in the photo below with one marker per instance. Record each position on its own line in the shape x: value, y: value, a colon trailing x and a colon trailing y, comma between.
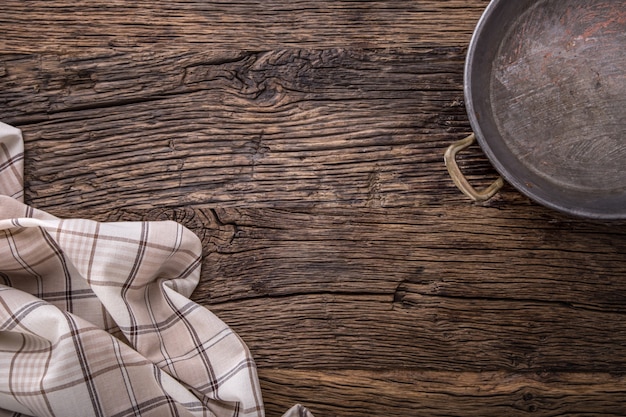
x: 349, y: 393
x: 335, y: 331
x: 465, y: 288
x: 447, y: 252
x: 48, y: 83
x: 241, y: 25
x: 291, y: 127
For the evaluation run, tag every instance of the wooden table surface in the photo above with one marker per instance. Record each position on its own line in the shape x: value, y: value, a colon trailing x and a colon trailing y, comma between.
x: 303, y: 142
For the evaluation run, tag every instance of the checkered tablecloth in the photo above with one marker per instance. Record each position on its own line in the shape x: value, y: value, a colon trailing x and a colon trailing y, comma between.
x: 95, y: 318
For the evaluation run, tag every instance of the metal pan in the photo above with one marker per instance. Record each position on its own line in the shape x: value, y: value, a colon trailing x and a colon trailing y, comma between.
x: 545, y: 92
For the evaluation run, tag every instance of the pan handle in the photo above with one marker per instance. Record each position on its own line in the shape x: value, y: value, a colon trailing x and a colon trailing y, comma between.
x: 459, y: 179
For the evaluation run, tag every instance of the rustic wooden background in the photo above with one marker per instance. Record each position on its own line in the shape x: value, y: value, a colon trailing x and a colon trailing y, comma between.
x: 303, y: 142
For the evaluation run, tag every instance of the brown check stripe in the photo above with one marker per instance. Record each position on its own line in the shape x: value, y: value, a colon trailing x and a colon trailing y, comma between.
x: 95, y: 318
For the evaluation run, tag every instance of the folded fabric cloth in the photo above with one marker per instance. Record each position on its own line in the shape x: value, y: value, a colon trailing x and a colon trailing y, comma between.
x: 95, y: 318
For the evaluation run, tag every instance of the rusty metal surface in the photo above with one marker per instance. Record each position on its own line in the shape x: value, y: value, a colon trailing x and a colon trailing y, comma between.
x: 545, y: 88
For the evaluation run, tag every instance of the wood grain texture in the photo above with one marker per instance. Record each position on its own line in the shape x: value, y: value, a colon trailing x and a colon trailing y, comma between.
x: 242, y: 25
x: 297, y: 127
x: 303, y: 143
x: 445, y: 394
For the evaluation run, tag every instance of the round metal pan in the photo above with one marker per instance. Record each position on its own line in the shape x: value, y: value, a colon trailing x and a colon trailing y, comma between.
x: 545, y: 92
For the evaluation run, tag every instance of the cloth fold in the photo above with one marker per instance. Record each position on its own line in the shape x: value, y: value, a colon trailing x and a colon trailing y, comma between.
x: 95, y: 317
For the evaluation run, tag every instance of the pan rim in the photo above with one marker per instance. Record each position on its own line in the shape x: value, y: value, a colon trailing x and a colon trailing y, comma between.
x: 584, y: 209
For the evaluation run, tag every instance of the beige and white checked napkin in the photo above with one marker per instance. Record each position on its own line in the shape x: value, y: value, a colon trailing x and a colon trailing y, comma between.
x: 95, y: 318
